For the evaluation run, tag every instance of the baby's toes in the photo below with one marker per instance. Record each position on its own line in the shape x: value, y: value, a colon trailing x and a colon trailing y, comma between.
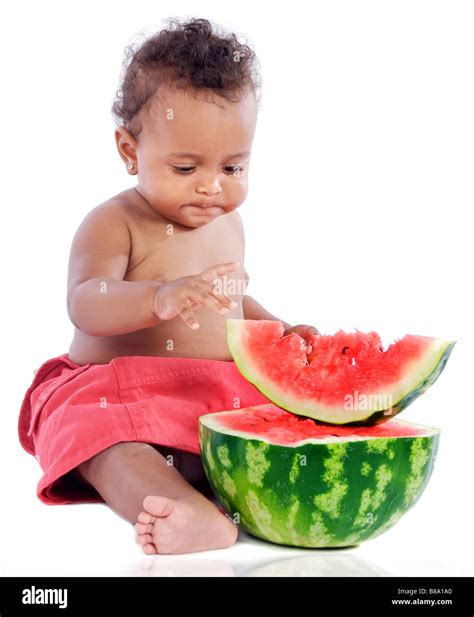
x: 146, y: 518
x: 144, y: 538
x: 142, y: 528
x: 149, y: 549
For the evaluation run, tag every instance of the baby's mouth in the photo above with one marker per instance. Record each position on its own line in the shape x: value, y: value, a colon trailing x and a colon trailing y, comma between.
x: 205, y: 211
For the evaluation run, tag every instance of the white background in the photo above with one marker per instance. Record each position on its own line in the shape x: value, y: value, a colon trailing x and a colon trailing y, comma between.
x: 359, y: 215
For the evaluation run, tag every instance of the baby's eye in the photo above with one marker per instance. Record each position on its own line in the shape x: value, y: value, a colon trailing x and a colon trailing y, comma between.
x: 233, y: 169
x: 229, y: 169
x: 183, y: 170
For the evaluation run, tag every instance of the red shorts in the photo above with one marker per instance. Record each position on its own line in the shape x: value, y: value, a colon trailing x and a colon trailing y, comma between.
x: 71, y: 412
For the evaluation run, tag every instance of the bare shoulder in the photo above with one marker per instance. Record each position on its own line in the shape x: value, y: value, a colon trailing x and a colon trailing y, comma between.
x: 103, y: 230
x: 119, y: 206
x: 115, y: 214
x: 101, y: 245
x: 102, y: 213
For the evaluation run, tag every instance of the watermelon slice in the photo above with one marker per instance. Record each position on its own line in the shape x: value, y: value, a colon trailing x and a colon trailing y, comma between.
x: 294, y: 481
x: 348, y: 378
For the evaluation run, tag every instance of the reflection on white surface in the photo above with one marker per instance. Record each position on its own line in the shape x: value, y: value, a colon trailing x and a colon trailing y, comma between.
x: 172, y: 565
x: 102, y: 544
x: 321, y: 564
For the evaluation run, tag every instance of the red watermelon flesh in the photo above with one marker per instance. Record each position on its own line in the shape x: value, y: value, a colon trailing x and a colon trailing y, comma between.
x: 271, y: 423
x: 347, y: 377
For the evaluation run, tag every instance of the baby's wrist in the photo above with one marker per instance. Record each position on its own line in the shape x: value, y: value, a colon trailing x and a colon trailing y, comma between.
x: 158, y: 286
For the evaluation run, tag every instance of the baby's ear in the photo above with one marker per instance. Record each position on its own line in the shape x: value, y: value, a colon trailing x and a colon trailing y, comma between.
x: 124, y: 136
x: 126, y: 144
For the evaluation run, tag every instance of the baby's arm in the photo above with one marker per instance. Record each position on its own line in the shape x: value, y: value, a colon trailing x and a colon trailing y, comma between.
x: 253, y: 310
x: 99, y: 301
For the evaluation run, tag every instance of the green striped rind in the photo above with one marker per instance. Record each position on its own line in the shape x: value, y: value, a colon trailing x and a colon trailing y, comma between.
x: 316, y: 494
x: 420, y: 375
x: 416, y: 392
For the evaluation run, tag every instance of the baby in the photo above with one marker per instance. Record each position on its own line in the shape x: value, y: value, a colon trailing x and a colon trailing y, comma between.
x: 149, y: 283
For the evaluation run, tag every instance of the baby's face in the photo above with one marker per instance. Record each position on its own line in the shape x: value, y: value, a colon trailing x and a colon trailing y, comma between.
x: 193, y: 155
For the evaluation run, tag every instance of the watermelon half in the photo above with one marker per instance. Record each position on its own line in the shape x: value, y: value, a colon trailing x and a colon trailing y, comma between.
x: 347, y: 377
x: 294, y: 481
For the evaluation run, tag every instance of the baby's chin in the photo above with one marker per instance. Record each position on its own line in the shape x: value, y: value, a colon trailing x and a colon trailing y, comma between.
x: 192, y: 216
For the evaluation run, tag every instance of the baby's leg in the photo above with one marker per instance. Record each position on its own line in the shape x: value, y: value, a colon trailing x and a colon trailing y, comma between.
x: 137, y: 482
x: 189, y: 466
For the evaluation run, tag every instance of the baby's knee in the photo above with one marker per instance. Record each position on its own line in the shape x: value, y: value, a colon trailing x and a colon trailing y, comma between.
x: 130, y: 448
x: 123, y: 450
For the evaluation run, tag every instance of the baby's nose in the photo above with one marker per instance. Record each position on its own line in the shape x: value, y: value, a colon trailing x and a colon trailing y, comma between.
x: 209, y: 187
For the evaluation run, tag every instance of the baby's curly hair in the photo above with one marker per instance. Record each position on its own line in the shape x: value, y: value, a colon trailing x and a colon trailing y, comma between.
x: 195, y: 55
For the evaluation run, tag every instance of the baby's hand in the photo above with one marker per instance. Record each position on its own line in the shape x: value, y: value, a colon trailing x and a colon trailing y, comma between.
x: 306, y: 332
x: 179, y: 296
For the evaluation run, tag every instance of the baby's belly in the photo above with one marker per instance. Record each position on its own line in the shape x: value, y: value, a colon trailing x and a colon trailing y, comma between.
x: 172, y: 338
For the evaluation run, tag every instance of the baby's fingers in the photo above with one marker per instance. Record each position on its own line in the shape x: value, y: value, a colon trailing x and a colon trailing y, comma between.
x: 195, y: 299
x: 189, y: 318
x: 219, y: 270
x: 203, y: 295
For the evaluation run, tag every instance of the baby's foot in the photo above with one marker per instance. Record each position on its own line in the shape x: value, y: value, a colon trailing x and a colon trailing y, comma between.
x: 173, y: 526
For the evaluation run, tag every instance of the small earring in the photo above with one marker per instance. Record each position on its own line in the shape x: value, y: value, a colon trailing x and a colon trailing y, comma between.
x: 130, y: 166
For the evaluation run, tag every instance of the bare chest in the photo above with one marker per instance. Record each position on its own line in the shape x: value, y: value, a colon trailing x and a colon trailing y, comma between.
x: 166, y: 252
